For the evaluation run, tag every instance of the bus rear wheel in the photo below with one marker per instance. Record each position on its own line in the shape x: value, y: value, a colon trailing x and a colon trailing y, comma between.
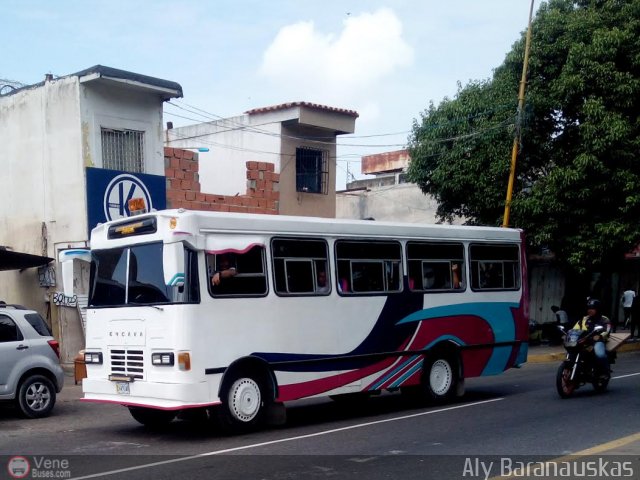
x: 439, y: 378
x: 152, y: 417
x: 243, y: 405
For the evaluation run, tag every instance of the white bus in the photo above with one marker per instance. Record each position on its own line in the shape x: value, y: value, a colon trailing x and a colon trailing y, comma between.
x: 307, y: 307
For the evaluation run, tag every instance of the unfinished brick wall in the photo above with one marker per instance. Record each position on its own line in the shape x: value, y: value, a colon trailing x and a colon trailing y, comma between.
x: 183, y: 186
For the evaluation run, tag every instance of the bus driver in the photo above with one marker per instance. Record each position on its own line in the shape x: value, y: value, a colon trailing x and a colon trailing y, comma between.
x: 224, y: 270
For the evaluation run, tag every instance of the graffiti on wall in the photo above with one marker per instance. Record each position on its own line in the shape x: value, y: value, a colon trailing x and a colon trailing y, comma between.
x: 60, y: 299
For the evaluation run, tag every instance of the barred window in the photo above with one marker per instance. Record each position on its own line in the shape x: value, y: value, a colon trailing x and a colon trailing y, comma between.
x: 312, y: 170
x: 123, y: 150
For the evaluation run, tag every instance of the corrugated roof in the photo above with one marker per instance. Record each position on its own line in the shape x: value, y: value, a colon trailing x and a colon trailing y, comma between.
x: 317, y: 106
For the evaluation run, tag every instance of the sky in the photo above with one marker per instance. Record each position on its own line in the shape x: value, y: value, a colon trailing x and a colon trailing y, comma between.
x: 385, y: 59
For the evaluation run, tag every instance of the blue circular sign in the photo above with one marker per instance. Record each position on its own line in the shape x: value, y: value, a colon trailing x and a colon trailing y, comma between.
x: 120, y: 190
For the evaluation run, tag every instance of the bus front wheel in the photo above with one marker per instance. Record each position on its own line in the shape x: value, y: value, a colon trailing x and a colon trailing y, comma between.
x: 439, y: 379
x: 243, y: 405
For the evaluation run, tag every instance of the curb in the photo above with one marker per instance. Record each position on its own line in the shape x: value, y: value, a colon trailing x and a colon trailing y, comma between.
x: 546, y: 357
x: 560, y: 355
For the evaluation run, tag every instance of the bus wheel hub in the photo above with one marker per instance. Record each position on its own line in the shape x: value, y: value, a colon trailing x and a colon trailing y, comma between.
x: 245, y: 399
x: 440, y: 377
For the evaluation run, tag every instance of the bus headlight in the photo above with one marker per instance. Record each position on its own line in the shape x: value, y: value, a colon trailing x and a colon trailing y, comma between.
x: 93, y: 357
x: 162, y: 359
x: 184, y: 361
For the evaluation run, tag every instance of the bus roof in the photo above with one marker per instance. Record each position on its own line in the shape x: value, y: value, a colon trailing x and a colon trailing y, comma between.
x: 201, y: 223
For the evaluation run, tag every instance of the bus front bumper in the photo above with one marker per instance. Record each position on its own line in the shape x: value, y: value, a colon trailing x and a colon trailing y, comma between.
x: 163, y: 396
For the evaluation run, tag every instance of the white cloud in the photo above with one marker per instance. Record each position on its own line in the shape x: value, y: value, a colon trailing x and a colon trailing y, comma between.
x: 340, y: 69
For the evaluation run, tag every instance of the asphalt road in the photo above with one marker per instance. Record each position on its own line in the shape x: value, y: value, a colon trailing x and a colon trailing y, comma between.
x: 515, y: 416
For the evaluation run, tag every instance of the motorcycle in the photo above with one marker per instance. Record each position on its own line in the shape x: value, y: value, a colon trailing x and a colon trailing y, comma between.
x: 580, y: 365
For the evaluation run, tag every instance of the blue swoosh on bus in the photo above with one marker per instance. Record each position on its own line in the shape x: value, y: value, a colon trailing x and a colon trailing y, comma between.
x: 178, y: 277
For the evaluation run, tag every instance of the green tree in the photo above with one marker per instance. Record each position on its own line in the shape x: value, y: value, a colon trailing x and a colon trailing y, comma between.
x: 577, y: 188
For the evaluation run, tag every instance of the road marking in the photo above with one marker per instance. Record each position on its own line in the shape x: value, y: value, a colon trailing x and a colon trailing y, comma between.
x: 604, y: 447
x: 625, y: 376
x: 609, y: 445
x: 283, y: 440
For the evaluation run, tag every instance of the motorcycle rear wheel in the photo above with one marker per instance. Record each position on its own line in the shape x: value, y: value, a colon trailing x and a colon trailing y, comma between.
x: 564, y: 385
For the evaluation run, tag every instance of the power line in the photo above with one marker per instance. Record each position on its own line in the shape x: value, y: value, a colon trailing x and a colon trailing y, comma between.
x: 214, y: 118
x: 252, y: 129
x: 503, y: 124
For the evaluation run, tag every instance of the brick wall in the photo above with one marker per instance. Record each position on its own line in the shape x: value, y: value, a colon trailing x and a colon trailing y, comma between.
x: 183, y: 186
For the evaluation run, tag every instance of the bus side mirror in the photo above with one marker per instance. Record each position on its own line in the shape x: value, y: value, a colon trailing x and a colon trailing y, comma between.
x: 173, y: 258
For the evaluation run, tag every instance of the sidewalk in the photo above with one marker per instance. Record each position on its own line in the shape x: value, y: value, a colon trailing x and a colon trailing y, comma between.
x: 554, y: 353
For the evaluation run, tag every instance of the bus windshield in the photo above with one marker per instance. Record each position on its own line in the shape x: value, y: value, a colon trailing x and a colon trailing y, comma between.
x: 135, y: 276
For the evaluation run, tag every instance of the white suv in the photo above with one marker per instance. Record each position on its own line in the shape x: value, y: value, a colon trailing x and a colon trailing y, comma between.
x: 30, y: 371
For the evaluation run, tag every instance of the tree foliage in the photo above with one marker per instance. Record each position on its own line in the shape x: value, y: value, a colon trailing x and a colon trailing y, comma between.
x: 577, y: 188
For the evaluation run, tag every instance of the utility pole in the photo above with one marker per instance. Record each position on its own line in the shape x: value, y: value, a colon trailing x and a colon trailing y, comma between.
x: 516, y: 139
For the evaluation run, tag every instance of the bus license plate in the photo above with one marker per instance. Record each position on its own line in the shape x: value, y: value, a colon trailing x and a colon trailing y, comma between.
x: 122, y: 388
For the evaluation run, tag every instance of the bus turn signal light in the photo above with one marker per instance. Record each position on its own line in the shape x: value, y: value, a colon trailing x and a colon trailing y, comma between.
x: 184, y: 361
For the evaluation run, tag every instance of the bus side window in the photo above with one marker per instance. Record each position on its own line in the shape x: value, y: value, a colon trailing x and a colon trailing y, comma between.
x: 495, y: 266
x: 436, y: 266
x: 300, y: 266
x: 248, y: 277
x: 369, y: 266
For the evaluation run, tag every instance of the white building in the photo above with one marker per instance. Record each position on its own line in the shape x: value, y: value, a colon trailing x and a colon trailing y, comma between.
x: 65, y: 144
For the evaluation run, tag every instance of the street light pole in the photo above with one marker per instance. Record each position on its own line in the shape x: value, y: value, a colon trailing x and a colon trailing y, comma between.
x: 516, y: 139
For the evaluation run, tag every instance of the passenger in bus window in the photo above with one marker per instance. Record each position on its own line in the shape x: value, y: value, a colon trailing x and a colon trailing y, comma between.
x: 490, y: 275
x: 442, y: 276
x: 321, y: 282
x: 343, y: 285
x: 429, y: 278
x: 455, y: 272
x: 225, y: 269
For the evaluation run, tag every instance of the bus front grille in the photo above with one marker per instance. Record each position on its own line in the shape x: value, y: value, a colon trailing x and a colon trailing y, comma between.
x: 127, y: 362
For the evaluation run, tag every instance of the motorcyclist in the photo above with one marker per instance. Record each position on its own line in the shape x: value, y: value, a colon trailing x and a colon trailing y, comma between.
x: 591, y: 321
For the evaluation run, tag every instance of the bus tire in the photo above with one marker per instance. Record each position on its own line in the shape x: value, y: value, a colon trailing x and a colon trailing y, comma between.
x: 152, y: 417
x: 440, y: 377
x: 244, y: 403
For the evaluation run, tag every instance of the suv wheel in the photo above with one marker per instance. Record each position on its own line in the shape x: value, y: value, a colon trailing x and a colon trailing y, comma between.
x: 36, y: 396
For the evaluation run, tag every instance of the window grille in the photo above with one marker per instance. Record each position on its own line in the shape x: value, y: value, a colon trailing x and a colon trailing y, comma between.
x: 123, y: 150
x: 312, y: 170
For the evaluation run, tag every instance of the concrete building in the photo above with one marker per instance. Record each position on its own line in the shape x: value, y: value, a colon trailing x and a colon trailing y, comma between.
x: 298, y: 138
x: 386, y: 195
x: 73, y: 150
